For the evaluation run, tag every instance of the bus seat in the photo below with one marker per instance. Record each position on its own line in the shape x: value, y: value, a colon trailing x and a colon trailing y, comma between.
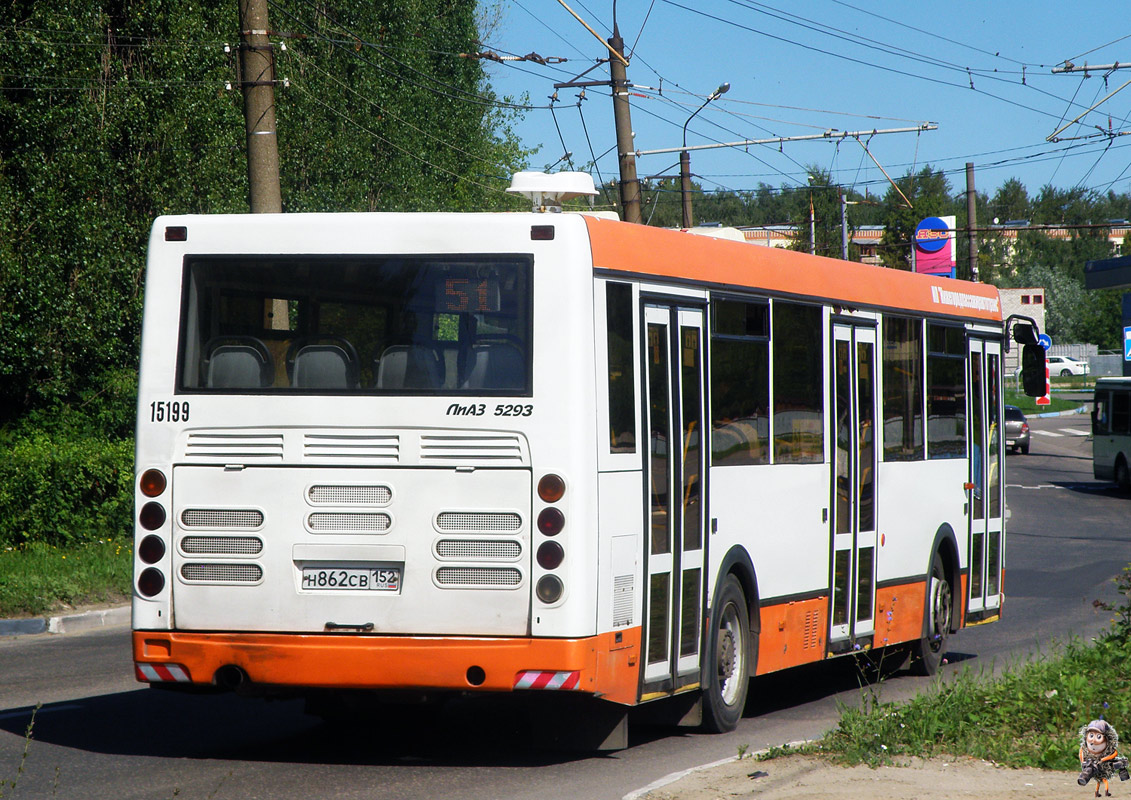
x: 237, y: 362
x: 330, y: 364
x: 496, y: 365
x: 410, y: 366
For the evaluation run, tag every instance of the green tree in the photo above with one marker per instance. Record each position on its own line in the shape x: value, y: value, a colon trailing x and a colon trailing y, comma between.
x: 112, y: 113
x: 1053, y: 206
x: 1010, y: 202
x: 1072, y: 313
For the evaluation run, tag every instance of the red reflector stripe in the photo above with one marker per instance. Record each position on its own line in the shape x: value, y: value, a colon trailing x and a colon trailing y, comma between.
x: 162, y: 673
x: 543, y: 679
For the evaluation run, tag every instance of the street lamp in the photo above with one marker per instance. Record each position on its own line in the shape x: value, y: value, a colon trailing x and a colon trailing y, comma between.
x: 685, y: 157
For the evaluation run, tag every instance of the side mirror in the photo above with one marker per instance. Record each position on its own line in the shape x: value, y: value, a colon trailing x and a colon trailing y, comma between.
x: 1033, y: 369
x: 1025, y: 333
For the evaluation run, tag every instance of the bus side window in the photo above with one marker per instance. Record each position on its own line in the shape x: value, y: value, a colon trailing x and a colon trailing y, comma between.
x: 1120, y: 412
x: 622, y: 377
x: 1100, y: 413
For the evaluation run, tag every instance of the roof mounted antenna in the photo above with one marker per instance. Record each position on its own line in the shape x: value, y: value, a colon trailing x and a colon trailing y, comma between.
x: 546, y: 192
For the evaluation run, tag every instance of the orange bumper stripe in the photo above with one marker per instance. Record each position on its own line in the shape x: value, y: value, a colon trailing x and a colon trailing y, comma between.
x: 606, y: 667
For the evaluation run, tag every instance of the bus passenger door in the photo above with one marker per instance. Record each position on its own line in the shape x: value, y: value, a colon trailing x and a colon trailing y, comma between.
x: 985, y: 492
x: 853, y: 538
x: 674, y: 546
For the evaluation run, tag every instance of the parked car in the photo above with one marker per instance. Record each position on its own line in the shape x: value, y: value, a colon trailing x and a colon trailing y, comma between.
x: 1016, y: 430
x: 1064, y: 366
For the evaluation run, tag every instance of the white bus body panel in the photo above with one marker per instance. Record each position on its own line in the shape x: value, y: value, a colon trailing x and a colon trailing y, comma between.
x: 557, y: 433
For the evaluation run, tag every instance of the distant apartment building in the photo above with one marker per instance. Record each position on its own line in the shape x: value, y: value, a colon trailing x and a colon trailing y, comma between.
x: 1028, y: 302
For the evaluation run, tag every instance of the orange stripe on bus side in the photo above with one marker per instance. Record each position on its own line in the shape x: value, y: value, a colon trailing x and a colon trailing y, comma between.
x: 608, y: 668
x: 899, y: 613
x: 793, y: 633
x: 677, y: 254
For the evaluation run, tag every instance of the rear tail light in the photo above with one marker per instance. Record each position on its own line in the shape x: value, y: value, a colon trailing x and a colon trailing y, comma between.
x: 152, y: 482
x: 152, y: 516
x: 550, y: 555
x: 551, y: 521
x: 1024, y: 427
x: 551, y: 488
x: 152, y: 549
x: 151, y: 582
x: 549, y: 589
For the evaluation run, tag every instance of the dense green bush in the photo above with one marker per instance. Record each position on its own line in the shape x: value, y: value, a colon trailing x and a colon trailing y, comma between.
x: 65, y: 487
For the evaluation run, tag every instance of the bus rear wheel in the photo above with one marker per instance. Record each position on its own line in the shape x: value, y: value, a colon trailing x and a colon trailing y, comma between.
x: 728, y: 649
x: 927, y: 654
x: 1122, y: 475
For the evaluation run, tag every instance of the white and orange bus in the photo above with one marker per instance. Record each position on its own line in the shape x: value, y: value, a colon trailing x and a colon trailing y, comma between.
x: 552, y: 453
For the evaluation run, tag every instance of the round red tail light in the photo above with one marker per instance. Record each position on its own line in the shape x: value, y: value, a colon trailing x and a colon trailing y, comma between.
x: 550, y: 555
x: 150, y: 582
x: 551, y: 488
x: 152, y: 549
x: 152, y: 516
x: 551, y: 521
x: 152, y: 482
x: 549, y: 589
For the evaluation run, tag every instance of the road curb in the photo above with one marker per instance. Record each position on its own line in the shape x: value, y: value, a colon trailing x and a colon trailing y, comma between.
x: 117, y: 617
x: 683, y: 773
x: 1080, y: 410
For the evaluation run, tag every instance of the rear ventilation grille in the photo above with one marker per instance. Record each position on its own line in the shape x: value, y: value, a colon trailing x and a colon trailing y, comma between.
x: 810, y: 638
x: 478, y: 577
x: 222, y: 545
x: 361, y: 447
x: 622, y: 601
x: 349, y: 495
x: 478, y: 550
x: 222, y: 573
x: 221, y: 518
x: 479, y: 522
x: 234, y: 447
x: 323, y: 522
x: 495, y: 448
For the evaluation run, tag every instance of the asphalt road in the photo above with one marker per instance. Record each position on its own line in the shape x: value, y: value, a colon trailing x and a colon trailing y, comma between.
x: 99, y: 734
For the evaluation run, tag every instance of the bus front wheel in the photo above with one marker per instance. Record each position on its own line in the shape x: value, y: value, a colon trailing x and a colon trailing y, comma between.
x: 728, y: 648
x: 927, y: 654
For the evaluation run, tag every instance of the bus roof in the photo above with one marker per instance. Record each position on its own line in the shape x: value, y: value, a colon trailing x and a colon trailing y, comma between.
x: 659, y: 252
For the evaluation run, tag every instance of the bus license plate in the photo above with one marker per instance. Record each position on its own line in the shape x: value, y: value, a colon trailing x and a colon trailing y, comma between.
x: 373, y: 579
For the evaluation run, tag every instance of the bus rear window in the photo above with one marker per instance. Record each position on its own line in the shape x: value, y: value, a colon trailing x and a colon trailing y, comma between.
x: 356, y: 324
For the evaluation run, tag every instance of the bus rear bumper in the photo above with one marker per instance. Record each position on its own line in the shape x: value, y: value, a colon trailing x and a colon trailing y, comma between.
x: 599, y: 665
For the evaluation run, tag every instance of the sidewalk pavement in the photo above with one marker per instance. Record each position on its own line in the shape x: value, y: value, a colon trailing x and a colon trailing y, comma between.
x: 74, y: 622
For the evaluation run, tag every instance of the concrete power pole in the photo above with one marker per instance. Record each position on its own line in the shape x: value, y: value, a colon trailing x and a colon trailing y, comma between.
x: 629, y: 184
x: 257, y: 71
x: 971, y: 220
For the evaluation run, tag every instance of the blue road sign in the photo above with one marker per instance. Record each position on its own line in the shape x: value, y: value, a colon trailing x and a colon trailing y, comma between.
x: 1044, y: 340
x: 1127, y: 344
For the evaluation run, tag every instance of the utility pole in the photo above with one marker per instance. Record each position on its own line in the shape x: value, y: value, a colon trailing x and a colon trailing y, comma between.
x: 622, y: 116
x: 257, y: 72
x: 971, y: 220
x: 843, y: 223
x: 812, y: 226
x: 685, y: 186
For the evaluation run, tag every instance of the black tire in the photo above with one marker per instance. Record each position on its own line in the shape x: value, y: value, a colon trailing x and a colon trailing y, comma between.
x: 728, y: 659
x: 1122, y: 475
x: 927, y: 654
x: 1024, y: 449
x: 1064, y: 373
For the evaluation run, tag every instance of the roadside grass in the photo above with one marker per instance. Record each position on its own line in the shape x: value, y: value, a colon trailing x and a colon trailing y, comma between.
x: 1028, y: 405
x: 37, y: 578
x: 1027, y: 716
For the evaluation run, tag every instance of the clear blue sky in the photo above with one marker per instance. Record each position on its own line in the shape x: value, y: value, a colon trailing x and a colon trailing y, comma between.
x: 798, y: 68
